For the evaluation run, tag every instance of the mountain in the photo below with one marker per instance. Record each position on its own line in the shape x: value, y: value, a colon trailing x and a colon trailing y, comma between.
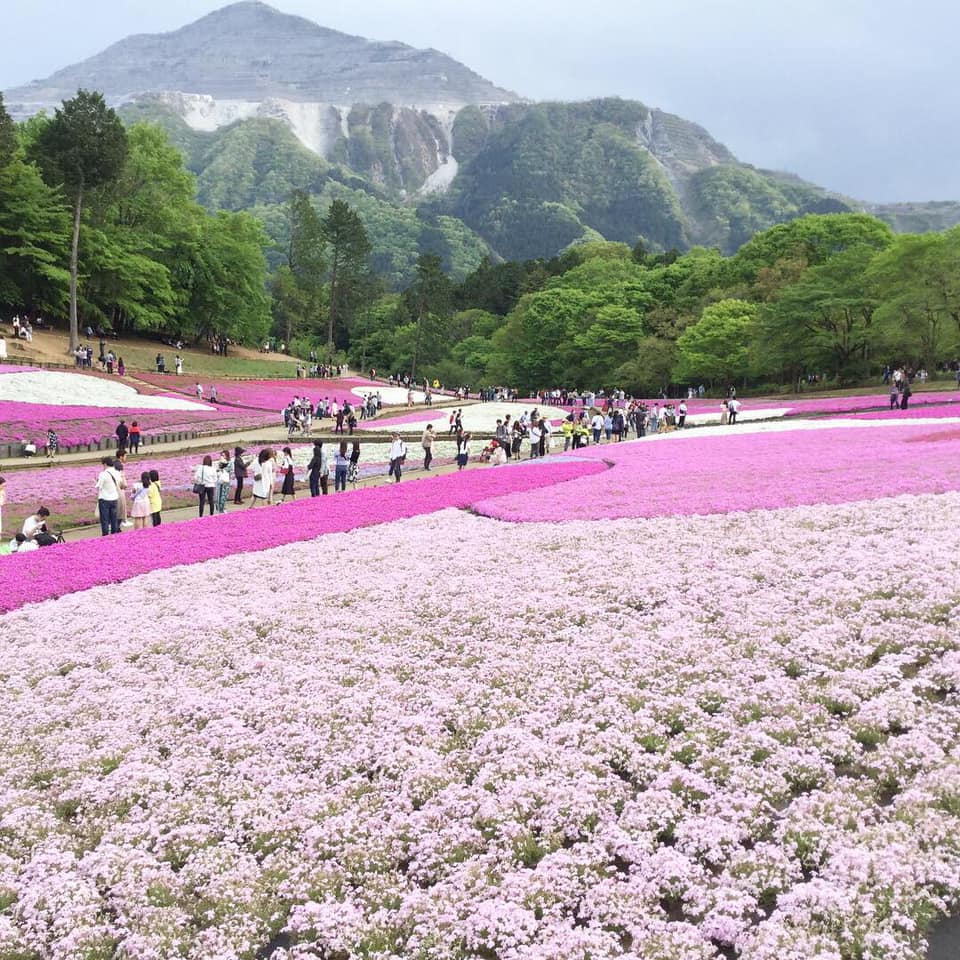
x: 249, y: 53
x: 262, y: 103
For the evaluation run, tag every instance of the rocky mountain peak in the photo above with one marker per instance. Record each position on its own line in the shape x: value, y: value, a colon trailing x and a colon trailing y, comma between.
x: 250, y: 52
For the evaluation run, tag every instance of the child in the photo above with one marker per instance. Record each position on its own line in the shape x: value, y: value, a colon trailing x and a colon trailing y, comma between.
x: 140, y: 509
x: 155, y: 501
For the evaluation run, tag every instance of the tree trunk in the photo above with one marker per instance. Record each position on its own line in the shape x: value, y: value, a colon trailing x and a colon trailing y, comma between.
x: 74, y: 326
x: 331, y: 311
x: 416, y: 348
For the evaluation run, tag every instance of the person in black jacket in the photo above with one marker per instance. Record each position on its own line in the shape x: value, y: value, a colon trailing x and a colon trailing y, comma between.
x: 318, y: 470
x: 239, y: 472
x: 122, y: 432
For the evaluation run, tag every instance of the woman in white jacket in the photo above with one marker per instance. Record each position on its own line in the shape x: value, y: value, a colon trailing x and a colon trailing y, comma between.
x: 263, y: 474
x: 204, y: 482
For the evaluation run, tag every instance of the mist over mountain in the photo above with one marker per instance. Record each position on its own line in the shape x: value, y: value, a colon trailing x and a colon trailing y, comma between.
x: 263, y: 103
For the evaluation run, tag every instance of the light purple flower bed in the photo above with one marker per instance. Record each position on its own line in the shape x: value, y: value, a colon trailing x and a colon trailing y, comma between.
x: 703, y: 473
x: 740, y: 740
x: 13, y: 368
x: 271, y: 395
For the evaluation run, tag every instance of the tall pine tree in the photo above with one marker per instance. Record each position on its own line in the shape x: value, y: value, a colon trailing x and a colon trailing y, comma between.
x: 83, y: 147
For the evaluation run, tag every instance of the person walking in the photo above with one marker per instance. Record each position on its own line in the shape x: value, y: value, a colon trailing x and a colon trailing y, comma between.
x: 596, y: 425
x: 223, y: 481
x: 286, y: 469
x: 140, y: 507
x: 398, y: 452
x: 122, y: 432
x: 134, y: 437
x: 353, y: 471
x: 734, y: 407
x: 318, y: 470
x: 205, y: 482
x: 905, y: 394
x: 341, y: 466
x: 3, y: 500
x: 240, y: 468
x: 108, y: 493
x: 426, y: 441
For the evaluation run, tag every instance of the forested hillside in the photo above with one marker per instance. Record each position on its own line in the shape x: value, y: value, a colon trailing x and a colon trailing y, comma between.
x: 345, y: 267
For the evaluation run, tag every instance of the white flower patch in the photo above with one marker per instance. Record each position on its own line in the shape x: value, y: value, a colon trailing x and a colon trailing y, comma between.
x: 391, y: 396
x: 56, y: 388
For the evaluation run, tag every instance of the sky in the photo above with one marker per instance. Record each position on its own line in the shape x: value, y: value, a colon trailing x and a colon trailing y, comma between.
x: 855, y: 96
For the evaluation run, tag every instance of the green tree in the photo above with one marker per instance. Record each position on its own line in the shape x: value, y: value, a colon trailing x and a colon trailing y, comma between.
x: 8, y: 135
x: 428, y: 300
x: 306, y: 265
x: 347, y: 250
x: 825, y: 319
x: 34, y: 225
x: 83, y: 147
x: 918, y: 289
x: 717, y: 346
x: 228, y: 295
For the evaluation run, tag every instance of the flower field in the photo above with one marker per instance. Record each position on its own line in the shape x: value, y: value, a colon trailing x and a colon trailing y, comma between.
x: 276, y: 394
x: 80, y: 425
x: 726, y: 750
x: 710, y: 710
x: 723, y: 470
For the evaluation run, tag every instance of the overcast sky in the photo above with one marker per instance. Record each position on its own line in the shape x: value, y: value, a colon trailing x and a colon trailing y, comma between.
x: 856, y: 95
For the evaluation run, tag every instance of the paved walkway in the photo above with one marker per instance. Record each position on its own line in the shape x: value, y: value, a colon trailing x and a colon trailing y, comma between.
x: 182, y: 514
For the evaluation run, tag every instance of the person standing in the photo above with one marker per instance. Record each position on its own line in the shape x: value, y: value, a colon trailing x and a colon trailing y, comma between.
x: 681, y: 414
x: 198, y: 389
x: 318, y: 470
x: 108, y: 493
x: 121, y: 367
x: 240, y: 467
x: 120, y: 466
x: 213, y: 393
x: 156, y: 502
x: 3, y: 500
x: 263, y: 478
x: 463, y: 449
x: 122, y: 432
x: 140, y: 507
x: 205, y: 482
x: 426, y: 441
x: 733, y: 404
x: 223, y: 481
x: 53, y: 443
x: 134, y: 437
x: 341, y: 466
x: 178, y: 360
x: 286, y: 469
x: 398, y: 452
